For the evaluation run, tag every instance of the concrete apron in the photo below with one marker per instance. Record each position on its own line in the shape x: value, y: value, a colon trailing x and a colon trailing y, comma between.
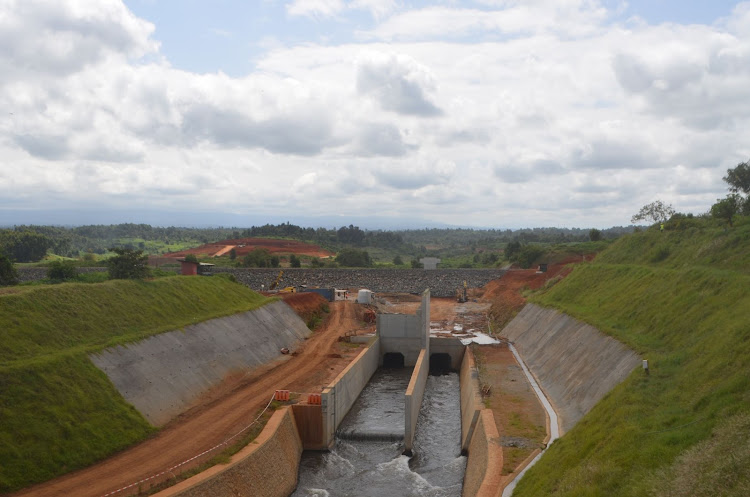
x: 553, y: 427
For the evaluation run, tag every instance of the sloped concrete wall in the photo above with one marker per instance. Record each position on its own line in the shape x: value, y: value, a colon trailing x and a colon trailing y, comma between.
x: 164, y: 374
x: 574, y: 363
x: 267, y: 467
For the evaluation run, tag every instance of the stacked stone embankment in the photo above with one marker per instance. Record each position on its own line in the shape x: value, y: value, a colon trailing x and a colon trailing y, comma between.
x: 441, y: 282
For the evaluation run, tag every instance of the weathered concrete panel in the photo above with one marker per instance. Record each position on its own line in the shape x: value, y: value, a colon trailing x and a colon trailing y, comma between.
x: 483, y: 475
x: 338, y: 397
x: 413, y: 399
x: 164, y: 374
x: 266, y: 467
x: 573, y: 362
x: 451, y: 346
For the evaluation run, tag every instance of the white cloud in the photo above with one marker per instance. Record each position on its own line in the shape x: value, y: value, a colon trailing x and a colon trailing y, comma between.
x: 555, y: 117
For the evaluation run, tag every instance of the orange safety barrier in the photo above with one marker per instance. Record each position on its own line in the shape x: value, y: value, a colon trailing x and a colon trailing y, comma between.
x: 313, y: 399
x: 281, y: 395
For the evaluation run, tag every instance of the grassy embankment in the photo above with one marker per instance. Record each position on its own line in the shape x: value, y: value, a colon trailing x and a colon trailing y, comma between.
x: 58, y: 412
x: 680, y: 299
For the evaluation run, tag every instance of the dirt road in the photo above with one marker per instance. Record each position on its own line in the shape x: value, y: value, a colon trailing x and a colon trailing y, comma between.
x: 222, y: 413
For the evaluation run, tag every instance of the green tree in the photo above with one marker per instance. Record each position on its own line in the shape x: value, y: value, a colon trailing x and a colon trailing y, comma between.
x: 727, y: 208
x: 739, y: 178
x: 595, y: 235
x: 657, y: 212
x: 128, y: 264
x: 354, y: 258
x: 275, y: 261
x: 398, y: 261
x: 191, y: 258
x: 8, y: 274
x: 512, y: 249
x: 294, y: 261
x: 415, y: 264
x: 258, y: 257
x: 62, y: 271
x: 24, y: 246
x: 232, y: 254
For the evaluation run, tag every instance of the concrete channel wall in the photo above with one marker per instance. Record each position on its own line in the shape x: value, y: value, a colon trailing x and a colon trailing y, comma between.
x: 574, y: 363
x: 413, y: 399
x: 267, y: 467
x: 471, y: 398
x: 164, y: 374
x: 483, y: 477
x: 338, y: 397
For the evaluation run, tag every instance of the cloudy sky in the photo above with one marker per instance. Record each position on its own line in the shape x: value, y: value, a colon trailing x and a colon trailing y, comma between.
x: 493, y: 113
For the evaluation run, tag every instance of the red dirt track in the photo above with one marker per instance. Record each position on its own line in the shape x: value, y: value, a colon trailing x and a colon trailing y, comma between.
x: 221, y: 413
x: 243, y: 246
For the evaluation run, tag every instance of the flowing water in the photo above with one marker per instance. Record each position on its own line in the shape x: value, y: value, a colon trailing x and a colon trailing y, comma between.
x: 367, y: 460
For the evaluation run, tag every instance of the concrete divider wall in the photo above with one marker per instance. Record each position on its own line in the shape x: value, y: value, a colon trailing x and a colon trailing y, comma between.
x: 483, y: 475
x: 164, y: 374
x: 573, y: 362
x: 399, y: 333
x: 266, y: 467
x: 413, y: 399
x: 471, y: 398
x: 338, y: 397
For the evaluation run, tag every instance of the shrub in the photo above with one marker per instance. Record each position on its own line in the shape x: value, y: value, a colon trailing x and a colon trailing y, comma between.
x: 8, y: 274
x: 128, y: 264
x: 62, y: 271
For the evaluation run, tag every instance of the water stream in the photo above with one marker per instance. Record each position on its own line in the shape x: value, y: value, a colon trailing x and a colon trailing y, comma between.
x: 367, y: 460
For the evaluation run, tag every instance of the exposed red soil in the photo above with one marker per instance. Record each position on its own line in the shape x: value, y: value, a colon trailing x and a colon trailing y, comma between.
x: 307, y: 305
x: 220, y: 413
x: 243, y: 246
x: 505, y: 293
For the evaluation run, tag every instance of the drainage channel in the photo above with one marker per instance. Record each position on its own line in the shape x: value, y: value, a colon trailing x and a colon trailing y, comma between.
x: 367, y: 459
x: 554, y: 430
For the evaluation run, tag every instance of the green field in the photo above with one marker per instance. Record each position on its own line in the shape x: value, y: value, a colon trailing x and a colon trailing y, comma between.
x: 680, y: 298
x: 46, y: 333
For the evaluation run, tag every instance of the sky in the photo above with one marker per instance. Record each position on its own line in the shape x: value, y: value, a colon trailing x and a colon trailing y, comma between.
x: 378, y: 113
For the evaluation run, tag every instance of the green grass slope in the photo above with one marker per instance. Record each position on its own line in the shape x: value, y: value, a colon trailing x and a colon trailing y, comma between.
x: 687, y: 313
x: 58, y: 412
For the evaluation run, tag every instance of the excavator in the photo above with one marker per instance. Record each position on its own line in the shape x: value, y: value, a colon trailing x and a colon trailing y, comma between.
x: 461, y: 294
x: 289, y: 289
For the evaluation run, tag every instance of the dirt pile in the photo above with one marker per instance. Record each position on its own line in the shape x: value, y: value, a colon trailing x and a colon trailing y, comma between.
x: 506, y: 293
x: 310, y: 306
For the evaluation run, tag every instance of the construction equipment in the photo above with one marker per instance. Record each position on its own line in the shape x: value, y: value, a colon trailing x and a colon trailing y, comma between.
x: 462, y: 294
x: 289, y: 289
x: 273, y: 285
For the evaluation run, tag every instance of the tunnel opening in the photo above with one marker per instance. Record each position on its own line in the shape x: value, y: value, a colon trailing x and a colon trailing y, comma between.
x: 440, y: 363
x: 393, y: 360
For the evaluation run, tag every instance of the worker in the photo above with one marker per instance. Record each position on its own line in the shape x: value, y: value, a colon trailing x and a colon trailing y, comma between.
x: 662, y: 227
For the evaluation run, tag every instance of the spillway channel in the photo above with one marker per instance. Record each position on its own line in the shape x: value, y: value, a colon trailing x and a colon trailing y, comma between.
x: 367, y: 459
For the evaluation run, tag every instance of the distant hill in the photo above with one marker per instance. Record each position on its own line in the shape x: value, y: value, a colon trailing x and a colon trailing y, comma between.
x: 243, y: 246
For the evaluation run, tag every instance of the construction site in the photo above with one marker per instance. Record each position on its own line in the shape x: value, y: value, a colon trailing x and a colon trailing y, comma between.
x: 421, y: 380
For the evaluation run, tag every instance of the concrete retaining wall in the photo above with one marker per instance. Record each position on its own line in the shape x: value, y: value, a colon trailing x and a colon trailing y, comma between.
x: 471, y: 398
x: 267, y: 467
x: 398, y: 333
x: 338, y: 397
x: 164, y: 374
x: 451, y: 346
x: 483, y: 475
x: 573, y: 362
x: 413, y: 399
